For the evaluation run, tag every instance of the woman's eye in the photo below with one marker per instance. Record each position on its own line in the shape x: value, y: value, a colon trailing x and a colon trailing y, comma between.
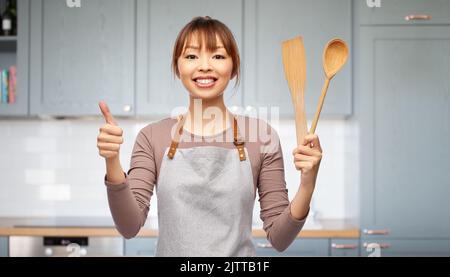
x: 190, y: 57
x: 219, y: 57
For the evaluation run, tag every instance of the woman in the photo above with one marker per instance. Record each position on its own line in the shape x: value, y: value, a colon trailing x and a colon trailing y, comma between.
x: 207, y: 169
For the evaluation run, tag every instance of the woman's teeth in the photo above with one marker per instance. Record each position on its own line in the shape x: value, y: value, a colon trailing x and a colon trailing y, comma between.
x: 205, y: 82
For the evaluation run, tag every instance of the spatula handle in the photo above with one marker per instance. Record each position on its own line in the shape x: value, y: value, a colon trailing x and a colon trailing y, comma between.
x: 301, y: 126
x: 319, y: 106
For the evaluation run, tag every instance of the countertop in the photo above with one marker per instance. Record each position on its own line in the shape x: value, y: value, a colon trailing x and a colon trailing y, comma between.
x: 331, y: 228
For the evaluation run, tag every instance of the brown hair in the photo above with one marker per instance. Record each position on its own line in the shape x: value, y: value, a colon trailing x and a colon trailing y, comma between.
x: 207, y: 28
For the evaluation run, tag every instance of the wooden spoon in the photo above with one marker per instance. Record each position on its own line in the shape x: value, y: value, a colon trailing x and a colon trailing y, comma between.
x: 295, y: 71
x: 335, y: 56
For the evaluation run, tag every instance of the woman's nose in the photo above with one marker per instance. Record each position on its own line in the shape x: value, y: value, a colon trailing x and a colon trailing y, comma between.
x: 204, y: 64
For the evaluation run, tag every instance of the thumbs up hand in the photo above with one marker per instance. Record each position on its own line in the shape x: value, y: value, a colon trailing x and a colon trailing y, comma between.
x: 110, y: 137
x: 106, y: 113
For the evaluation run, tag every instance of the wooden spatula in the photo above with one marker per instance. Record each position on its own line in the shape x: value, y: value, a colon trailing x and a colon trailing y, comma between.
x: 294, y: 62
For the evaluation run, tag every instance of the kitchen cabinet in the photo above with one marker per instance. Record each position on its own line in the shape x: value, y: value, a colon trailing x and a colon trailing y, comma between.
x: 140, y: 246
x: 405, y: 248
x: 300, y: 247
x: 120, y: 51
x: 344, y: 247
x: 14, y: 51
x: 79, y: 56
x: 267, y: 24
x: 395, y: 12
x: 146, y: 246
x: 403, y: 106
x: 159, y: 92
x: 4, y: 247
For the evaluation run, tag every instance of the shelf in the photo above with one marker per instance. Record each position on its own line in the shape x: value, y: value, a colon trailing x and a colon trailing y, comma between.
x: 14, y: 50
x: 8, y: 38
x: 8, y: 44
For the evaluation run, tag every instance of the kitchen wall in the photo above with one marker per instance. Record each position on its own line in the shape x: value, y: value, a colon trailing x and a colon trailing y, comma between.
x: 52, y: 168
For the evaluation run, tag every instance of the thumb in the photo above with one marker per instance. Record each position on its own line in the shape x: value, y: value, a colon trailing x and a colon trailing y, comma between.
x: 106, y: 113
x: 312, y: 140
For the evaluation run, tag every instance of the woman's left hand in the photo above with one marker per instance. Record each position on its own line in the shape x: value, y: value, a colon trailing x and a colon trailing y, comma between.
x: 307, y: 159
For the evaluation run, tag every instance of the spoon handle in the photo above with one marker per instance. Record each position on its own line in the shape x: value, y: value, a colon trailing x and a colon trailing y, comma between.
x: 319, y: 106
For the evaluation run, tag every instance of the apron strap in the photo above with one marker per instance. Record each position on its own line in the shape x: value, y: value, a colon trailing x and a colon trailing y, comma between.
x: 176, y: 139
x: 238, y: 142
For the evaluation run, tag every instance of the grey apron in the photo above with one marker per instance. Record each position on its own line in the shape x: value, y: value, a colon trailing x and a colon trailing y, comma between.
x: 205, y: 200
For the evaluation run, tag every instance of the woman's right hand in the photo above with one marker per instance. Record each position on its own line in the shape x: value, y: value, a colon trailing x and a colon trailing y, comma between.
x: 110, y: 137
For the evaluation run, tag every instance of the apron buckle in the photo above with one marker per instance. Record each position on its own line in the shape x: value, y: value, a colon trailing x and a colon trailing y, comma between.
x: 240, y: 147
x: 238, y: 143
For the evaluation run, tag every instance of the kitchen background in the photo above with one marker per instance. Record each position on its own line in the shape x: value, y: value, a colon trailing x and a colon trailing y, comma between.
x: 384, y: 127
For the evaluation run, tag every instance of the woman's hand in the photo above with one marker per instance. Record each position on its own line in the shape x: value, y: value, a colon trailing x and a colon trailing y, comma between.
x: 307, y: 159
x: 110, y: 137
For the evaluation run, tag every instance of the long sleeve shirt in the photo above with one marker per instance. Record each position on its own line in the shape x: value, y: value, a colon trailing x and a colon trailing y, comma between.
x: 130, y: 201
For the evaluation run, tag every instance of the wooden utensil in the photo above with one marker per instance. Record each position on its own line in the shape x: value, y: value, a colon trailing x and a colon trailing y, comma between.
x: 294, y: 62
x: 335, y: 56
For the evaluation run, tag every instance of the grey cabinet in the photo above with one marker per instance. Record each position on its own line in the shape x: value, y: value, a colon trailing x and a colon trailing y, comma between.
x: 404, y: 107
x: 14, y: 51
x: 120, y: 51
x: 140, y: 246
x: 3, y: 246
x: 267, y: 24
x: 79, y: 56
x: 403, y: 12
x: 344, y: 247
x: 405, y: 248
x: 159, y: 92
x: 300, y: 247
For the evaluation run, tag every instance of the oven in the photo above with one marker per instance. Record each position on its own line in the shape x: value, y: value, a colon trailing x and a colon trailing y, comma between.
x: 38, y: 246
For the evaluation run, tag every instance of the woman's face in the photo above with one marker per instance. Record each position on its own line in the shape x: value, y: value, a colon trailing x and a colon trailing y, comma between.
x: 205, y: 74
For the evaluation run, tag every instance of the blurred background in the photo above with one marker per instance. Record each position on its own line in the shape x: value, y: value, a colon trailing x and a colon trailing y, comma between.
x: 384, y: 181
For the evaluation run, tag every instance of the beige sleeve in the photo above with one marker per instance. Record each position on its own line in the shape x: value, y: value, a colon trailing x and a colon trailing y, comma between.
x: 130, y: 202
x: 281, y: 228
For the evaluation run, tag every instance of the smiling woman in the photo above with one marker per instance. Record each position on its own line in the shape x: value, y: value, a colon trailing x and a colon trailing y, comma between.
x: 205, y: 33
x: 207, y: 179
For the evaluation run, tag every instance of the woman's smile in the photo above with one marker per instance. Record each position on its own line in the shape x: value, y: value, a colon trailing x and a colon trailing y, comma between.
x: 205, y: 82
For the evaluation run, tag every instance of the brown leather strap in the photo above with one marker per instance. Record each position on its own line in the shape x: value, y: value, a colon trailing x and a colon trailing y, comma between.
x: 176, y: 139
x: 238, y: 142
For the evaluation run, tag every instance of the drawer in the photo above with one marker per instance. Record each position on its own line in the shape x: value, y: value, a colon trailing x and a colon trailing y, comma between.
x: 395, y: 11
x: 3, y: 246
x: 300, y: 247
x: 404, y: 247
x: 344, y: 247
x: 140, y: 247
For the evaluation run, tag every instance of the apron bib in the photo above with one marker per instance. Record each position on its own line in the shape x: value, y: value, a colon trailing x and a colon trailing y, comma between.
x: 205, y: 200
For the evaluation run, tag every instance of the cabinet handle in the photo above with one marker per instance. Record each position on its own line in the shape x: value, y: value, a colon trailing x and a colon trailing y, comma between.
x: 376, y: 232
x: 375, y: 245
x: 264, y: 245
x: 127, y: 108
x: 417, y: 17
x: 344, y: 246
